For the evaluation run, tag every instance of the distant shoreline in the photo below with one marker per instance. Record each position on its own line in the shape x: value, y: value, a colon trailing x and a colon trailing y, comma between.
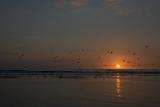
x: 78, y: 73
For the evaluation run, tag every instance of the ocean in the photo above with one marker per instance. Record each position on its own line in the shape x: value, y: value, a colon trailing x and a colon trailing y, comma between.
x: 116, y: 90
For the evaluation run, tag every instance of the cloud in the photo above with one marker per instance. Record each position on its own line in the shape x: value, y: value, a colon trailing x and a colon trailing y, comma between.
x: 2, y: 53
x: 118, y: 6
x: 77, y: 3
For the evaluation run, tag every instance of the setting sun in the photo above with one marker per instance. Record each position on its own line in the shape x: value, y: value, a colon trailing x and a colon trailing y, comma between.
x: 118, y: 66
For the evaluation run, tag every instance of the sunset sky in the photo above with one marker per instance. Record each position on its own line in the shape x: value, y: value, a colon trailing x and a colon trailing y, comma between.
x: 49, y: 34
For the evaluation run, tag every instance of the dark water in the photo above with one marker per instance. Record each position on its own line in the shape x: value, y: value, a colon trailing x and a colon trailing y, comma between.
x: 110, y: 91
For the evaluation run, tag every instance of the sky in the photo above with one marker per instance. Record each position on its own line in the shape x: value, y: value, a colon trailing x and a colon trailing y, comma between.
x: 51, y: 34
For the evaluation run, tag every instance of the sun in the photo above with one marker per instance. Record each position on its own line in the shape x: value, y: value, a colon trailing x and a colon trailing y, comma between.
x: 118, y: 66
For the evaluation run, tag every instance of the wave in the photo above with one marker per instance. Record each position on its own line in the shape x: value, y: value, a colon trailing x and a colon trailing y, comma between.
x: 78, y: 73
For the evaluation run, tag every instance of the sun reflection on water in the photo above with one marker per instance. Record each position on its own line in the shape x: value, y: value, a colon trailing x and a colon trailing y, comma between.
x: 118, y: 86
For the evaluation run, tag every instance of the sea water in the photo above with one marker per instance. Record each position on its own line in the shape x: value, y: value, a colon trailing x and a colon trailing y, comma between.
x: 106, y: 91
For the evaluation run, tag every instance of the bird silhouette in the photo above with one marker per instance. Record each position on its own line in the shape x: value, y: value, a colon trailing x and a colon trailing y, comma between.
x: 146, y: 46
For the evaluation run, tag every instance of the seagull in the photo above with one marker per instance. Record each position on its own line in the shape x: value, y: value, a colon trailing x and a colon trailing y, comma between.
x: 146, y: 46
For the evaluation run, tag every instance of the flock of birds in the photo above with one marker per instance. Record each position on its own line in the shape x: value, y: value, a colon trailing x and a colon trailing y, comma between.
x: 56, y: 60
x: 106, y: 52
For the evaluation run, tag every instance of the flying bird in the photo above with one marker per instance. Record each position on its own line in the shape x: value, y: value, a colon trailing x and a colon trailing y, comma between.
x: 146, y: 46
x: 123, y: 60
